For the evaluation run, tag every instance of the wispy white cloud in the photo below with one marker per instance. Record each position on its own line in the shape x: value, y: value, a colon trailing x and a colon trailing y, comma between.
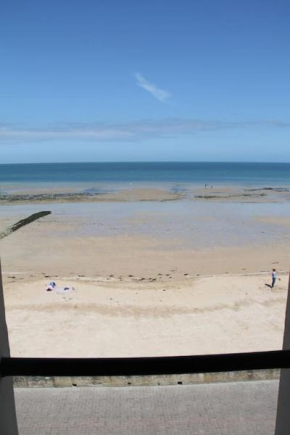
x: 132, y: 131
x: 82, y: 131
x: 159, y: 94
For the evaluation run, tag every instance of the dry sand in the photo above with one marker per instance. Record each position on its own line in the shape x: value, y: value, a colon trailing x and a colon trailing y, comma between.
x: 106, y: 319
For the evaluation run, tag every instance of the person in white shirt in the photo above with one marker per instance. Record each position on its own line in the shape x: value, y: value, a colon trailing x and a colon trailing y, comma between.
x: 274, y: 277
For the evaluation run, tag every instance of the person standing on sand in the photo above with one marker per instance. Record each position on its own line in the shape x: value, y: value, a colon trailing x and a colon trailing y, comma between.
x: 274, y: 277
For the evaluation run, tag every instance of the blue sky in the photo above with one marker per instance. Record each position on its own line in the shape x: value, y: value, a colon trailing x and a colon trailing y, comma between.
x: 157, y: 80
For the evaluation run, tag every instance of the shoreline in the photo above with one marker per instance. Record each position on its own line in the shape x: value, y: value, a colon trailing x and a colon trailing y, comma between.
x: 159, y: 193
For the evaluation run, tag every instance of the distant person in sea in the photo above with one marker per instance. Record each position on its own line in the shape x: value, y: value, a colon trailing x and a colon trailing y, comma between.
x: 274, y: 277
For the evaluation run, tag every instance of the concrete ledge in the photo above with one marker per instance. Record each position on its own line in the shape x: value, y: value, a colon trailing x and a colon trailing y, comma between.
x: 124, y: 381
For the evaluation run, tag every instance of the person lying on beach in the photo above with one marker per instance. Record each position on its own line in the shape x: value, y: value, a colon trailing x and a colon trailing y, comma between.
x: 52, y: 286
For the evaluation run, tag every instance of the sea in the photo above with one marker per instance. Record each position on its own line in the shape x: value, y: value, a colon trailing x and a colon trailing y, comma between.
x: 200, y: 173
x: 230, y: 223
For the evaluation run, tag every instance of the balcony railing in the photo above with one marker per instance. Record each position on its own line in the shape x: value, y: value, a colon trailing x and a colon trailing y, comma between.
x: 279, y: 359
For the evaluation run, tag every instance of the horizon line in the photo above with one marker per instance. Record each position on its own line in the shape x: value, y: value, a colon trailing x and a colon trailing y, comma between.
x: 146, y: 161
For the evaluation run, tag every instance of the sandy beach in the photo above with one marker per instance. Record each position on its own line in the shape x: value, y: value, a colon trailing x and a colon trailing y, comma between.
x: 155, y: 272
x: 105, y: 319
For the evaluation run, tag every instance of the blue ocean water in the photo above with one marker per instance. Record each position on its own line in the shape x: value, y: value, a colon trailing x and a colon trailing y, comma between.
x: 266, y: 174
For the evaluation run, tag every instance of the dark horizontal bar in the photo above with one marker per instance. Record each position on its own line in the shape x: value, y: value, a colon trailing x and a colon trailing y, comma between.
x: 144, y: 366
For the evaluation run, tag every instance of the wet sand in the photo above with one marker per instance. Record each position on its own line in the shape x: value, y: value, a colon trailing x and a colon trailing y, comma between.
x: 162, y: 192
